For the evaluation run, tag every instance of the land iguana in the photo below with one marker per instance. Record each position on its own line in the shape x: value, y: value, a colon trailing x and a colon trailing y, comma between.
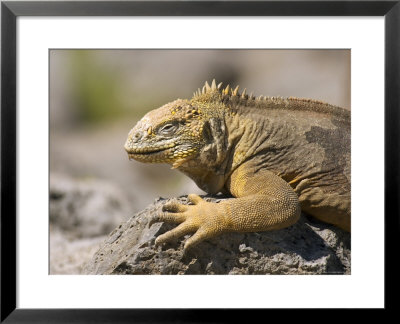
x: 276, y: 156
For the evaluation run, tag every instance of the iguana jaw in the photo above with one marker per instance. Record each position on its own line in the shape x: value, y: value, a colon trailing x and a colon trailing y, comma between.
x: 150, y: 154
x: 145, y: 152
x: 170, y: 152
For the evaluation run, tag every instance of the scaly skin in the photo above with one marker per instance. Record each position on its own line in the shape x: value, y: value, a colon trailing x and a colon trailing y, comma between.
x: 275, y: 156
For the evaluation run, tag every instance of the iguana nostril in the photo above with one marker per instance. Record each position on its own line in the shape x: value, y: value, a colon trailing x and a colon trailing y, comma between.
x: 137, y: 136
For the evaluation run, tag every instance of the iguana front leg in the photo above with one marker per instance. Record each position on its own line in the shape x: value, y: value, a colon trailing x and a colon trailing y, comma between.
x: 263, y: 202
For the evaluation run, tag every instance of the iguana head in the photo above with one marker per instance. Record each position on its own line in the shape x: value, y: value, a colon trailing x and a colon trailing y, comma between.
x: 183, y: 130
x: 170, y: 134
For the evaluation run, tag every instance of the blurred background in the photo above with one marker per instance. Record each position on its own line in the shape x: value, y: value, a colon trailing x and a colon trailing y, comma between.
x: 97, y: 96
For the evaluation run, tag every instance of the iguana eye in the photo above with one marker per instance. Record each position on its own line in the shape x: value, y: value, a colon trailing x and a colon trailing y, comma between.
x: 168, y: 129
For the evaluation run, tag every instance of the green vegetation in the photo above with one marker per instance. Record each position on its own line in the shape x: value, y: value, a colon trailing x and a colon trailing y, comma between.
x: 96, y: 88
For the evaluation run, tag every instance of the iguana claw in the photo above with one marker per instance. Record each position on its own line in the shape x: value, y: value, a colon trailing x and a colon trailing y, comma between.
x: 192, y: 218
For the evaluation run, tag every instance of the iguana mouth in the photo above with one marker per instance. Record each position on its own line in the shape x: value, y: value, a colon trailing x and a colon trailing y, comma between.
x: 151, y: 154
x: 146, y: 150
x: 168, y: 153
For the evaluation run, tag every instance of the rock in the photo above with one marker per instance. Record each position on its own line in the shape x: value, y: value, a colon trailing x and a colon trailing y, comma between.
x: 69, y: 256
x: 85, y: 208
x: 82, y: 213
x: 308, y: 247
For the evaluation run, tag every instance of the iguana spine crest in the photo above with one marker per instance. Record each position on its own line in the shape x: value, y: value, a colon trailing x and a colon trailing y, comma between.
x: 234, y: 99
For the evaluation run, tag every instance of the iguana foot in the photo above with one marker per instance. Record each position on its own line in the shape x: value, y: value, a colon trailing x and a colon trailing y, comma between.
x: 204, y: 218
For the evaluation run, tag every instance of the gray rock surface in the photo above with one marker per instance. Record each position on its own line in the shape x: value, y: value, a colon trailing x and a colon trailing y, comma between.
x: 82, y: 214
x: 85, y: 208
x: 68, y: 256
x: 308, y: 247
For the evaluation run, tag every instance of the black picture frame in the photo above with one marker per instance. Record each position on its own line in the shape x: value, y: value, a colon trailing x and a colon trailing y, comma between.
x: 10, y: 10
